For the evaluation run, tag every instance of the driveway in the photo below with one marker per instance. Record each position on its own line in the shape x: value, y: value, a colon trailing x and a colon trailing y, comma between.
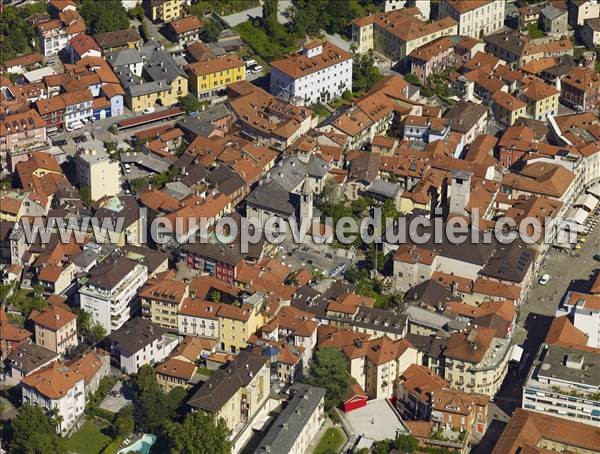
x: 338, y: 41
x: 237, y: 18
x: 115, y: 399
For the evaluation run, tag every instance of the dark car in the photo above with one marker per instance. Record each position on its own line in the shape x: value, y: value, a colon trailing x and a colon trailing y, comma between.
x: 80, y: 139
x: 597, y: 257
x: 59, y: 142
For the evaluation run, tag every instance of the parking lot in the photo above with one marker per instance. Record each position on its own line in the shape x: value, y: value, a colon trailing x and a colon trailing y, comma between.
x: 115, y: 399
x: 567, y: 272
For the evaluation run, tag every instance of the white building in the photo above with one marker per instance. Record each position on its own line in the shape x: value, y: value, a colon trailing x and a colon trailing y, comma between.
x: 563, y: 382
x: 55, y: 34
x: 297, y: 425
x: 320, y: 72
x: 198, y: 318
x: 585, y: 313
x: 78, y: 108
x: 110, y: 295
x: 424, y: 6
x: 139, y: 342
x: 475, y: 18
x: 99, y: 173
x: 56, y: 387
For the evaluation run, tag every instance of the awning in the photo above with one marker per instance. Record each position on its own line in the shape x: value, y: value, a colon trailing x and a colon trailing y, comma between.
x: 595, y: 191
x: 516, y: 353
x: 577, y: 215
x: 586, y: 201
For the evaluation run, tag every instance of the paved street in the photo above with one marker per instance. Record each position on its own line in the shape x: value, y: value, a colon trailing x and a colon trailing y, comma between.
x: 566, y: 273
x: 338, y: 41
x: 243, y: 16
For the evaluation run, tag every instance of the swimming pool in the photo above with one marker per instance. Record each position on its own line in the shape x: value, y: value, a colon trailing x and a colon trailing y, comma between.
x: 142, y: 445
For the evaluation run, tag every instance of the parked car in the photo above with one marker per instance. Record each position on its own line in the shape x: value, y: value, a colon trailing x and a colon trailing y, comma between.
x: 544, y: 279
x: 597, y: 257
x: 59, y: 142
x: 250, y: 63
x: 149, y: 110
x: 257, y: 69
x: 80, y: 139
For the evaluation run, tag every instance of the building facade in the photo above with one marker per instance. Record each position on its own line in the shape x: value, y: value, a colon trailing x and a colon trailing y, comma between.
x: 320, y: 72
x: 208, y: 79
x: 110, y: 295
x: 98, y: 172
x: 563, y: 383
x: 475, y: 18
x: 56, y: 388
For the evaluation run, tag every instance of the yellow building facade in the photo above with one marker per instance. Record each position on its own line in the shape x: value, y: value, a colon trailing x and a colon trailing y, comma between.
x: 169, y: 96
x: 209, y: 77
x: 164, y: 10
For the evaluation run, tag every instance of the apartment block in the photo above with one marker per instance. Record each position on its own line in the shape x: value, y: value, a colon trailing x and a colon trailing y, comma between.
x: 209, y: 79
x: 110, y: 294
x: 55, y: 329
x: 139, y: 342
x: 563, y: 382
x: 163, y: 10
x: 56, y: 388
x: 237, y: 392
x: 297, y: 425
x: 161, y: 300
x: 320, y: 72
x: 98, y: 172
x: 397, y: 33
x: 476, y: 18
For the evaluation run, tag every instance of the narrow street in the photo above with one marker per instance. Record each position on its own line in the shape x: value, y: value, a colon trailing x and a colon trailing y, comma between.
x: 566, y: 273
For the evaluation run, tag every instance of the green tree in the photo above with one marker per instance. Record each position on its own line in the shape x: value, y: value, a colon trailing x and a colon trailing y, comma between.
x: 98, y: 332
x: 211, y: 30
x: 364, y: 72
x: 34, y: 433
x: 215, y: 296
x: 84, y: 322
x: 199, y: 434
x: 144, y: 381
x: 189, y: 103
x: 136, y: 13
x: 124, y: 422
x: 86, y: 195
x: 406, y: 443
x: 375, y: 257
x: 328, y: 370
x: 154, y: 408
x: 16, y: 35
x: 412, y: 79
x: 104, y: 16
x: 381, y: 447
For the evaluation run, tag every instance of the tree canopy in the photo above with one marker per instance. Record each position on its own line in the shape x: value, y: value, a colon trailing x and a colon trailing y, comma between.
x: 154, y: 408
x: 199, y: 434
x: 364, y: 72
x: 16, y: 35
x: 34, y: 433
x: 104, y: 16
x: 124, y: 423
x: 333, y: 16
x: 328, y: 370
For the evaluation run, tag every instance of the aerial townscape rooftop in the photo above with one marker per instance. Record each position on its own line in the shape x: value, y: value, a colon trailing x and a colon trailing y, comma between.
x: 300, y: 226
